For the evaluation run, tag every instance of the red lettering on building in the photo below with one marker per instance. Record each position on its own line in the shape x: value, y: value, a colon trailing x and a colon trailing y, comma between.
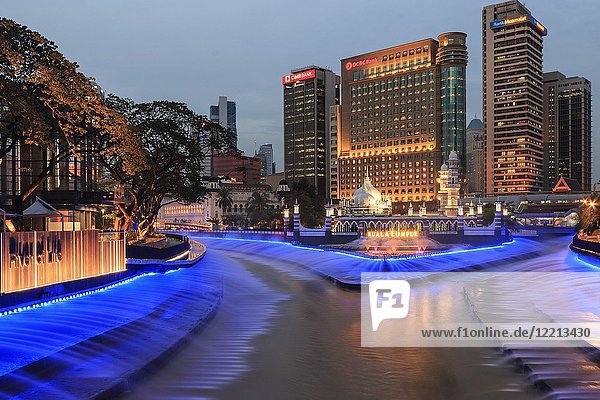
x: 360, y: 63
x: 299, y: 76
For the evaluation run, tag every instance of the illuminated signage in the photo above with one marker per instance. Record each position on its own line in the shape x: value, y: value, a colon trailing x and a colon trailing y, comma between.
x: 299, y: 76
x: 48, y: 250
x: 360, y: 63
x: 517, y: 20
x: 538, y: 25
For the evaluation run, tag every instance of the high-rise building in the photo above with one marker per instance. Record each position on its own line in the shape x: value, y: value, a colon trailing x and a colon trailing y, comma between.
x: 241, y: 168
x: 475, y: 168
x: 395, y: 105
x: 452, y: 58
x: 308, y: 94
x: 332, y: 166
x: 567, y: 129
x: 265, y: 153
x: 512, y: 98
x: 224, y: 113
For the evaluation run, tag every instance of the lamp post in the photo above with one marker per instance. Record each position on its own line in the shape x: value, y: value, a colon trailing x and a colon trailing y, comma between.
x: 296, y: 221
x: 286, y: 221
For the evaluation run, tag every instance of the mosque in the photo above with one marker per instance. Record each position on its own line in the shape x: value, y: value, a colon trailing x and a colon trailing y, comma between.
x: 369, y: 214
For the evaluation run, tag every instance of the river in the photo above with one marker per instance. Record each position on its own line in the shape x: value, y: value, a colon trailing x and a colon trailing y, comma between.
x: 283, y: 332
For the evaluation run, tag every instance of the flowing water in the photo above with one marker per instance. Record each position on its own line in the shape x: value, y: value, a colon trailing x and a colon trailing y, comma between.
x: 283, y: 332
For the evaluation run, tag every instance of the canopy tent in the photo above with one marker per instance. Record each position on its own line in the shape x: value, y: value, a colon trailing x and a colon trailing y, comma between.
x: 41, y: 209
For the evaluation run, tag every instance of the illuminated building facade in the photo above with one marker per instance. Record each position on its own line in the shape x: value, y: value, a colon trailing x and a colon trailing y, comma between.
x: 567, y: 129
x: 512, y: 98
x: 308, y: 94
x: 391, y: 117
x: 452, y: 58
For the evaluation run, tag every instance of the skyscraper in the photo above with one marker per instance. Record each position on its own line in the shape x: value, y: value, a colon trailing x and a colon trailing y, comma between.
x: 452, y: 58
x: 265, y: 153
x: 308, y: 94
x: 224, y: 113
x: 395, y: 103
x: 475, y: 168
x: 512, y: 98
x: 332, y: 165
x: 567, y: 129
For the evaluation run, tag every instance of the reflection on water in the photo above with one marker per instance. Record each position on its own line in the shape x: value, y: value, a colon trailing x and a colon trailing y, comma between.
x: 299, y: 337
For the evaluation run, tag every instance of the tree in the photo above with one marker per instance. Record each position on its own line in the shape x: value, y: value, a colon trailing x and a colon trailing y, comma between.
x: 173, y: 147
x: 224, y: 200
x: 590, y: 214
x: 50, y: 105
x: 312, y: 206
x: 257, y: 205
x: 489, y: 213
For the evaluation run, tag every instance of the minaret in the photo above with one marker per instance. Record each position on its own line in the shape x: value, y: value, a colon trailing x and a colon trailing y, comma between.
x: 443, y: 190
x: 453, y: 186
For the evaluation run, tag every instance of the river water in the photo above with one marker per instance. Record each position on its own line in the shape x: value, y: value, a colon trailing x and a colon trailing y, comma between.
x: 283, y: 332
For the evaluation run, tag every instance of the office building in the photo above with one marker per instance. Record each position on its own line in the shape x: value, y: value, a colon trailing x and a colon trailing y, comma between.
x: 308, y: 94
x: 567, y: 129
x: 452, y: 58
x: 402, y: 108
x: 332, y: 165
x: 512, y: 98
x: 240, y: 168
x: 475, y: 167
x: 265, y: 153
x: 224, y: 113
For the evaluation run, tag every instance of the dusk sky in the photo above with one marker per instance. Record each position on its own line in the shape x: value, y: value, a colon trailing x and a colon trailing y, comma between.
x: 194, y: 51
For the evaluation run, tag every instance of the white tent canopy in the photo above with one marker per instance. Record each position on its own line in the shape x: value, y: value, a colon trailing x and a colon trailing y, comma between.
x: 40, y: 209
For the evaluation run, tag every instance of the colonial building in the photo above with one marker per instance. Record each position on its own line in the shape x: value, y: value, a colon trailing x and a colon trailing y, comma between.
x: 208, y: 213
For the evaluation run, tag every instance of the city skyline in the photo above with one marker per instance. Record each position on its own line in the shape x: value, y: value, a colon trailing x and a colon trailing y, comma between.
x: 124, y: 59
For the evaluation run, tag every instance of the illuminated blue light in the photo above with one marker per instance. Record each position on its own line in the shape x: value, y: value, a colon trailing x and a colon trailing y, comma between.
x: 365, y: 257
x: 73, y: 296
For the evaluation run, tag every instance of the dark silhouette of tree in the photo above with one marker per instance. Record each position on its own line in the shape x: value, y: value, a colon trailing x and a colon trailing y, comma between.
x: 173, y: 147
x: 257, y: 204
x: 312, y: 206
x: 224, y: 199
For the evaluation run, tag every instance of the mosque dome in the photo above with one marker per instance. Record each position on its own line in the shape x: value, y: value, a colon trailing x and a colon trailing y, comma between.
x: 453, y: 155
x: 367, y: 195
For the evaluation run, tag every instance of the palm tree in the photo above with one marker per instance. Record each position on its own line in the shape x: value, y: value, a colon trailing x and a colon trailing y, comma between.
x: 257, y: 203
x: 224, y: 200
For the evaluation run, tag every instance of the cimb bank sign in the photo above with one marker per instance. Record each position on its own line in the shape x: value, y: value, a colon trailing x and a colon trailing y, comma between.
x: 299, y: 76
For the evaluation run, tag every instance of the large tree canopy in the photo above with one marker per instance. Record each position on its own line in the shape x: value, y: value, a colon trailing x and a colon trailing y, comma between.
x: 47, y: 103
x: 174, y: 144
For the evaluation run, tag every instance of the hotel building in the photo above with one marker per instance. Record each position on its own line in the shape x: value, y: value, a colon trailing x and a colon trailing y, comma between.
x: 308, y: 94
x: 403, y: 109
x: 567, y: 129
x: 512, y: 98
